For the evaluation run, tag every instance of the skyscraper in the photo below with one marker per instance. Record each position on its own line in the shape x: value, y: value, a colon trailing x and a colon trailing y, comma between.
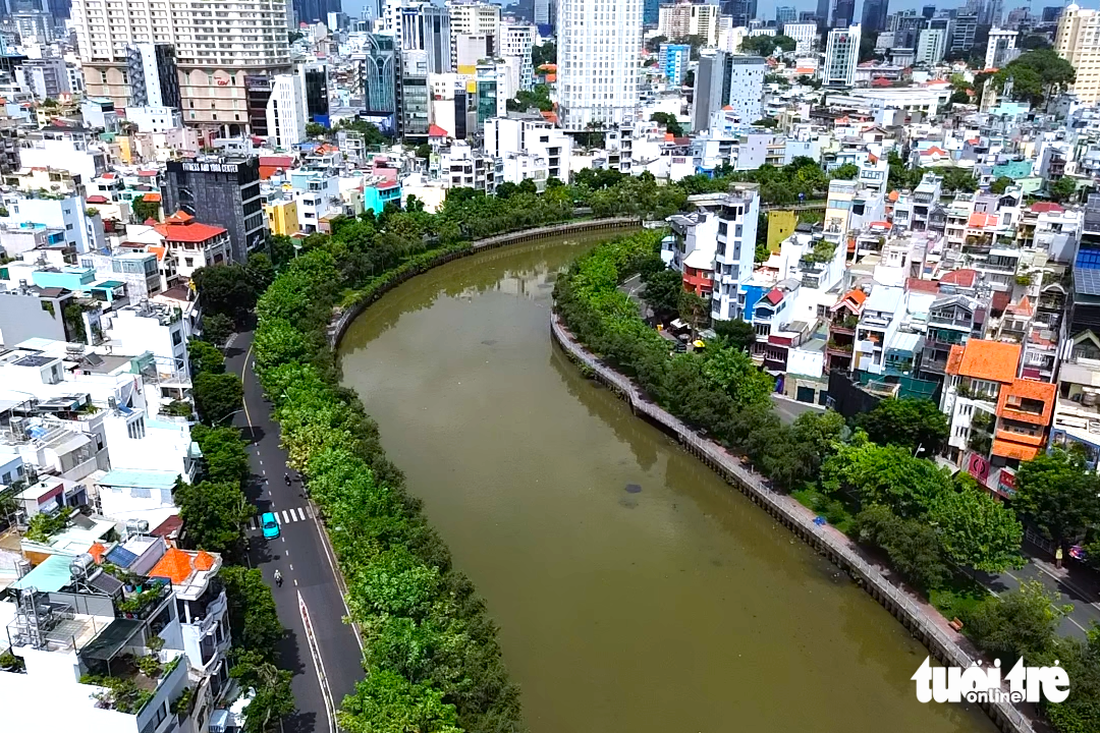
x: 742, y: 11
x: 785, y: 14
x: 213, y: 60
x: 844, y: 12
x: 378, y: 74
x: 598, y: 42
x: 427, y: 28
x: 928, y: 11
x: 841, y: 57
x: 874, y: 15
x: 154, y: 78
x: 728, y: 79
x: 823, y: 14
x: 315, y: 11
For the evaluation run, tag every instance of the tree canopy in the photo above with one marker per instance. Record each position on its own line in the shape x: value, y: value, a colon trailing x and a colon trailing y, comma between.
x: 1037, y: 75
x: 917, y: 425
x: 1058, y: 495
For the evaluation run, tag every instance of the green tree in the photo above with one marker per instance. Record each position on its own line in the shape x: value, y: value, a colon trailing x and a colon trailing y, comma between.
x: 204, y: 358
x: 1080, y: 713
x: 1058, y: 495
x: 73, y: 315
x: 887, y: 475
x: 738, y: 334
x: 669, y: 122
x: 253, y: 620
x: 915, y: 424
x: 217, y: 328
x: 914, y: 547
x: 1037, y: 75
x: 370, y: 132
x: 424, y: 151
x: 213, y: 516
x: 315, y: 130
x: 223, y: 454
x: 661, y: 292
x: 1063, y: 189
x: 546, y: 53
x: 977, y: 531
x: 386, y: 702
x: 959, y: 179
x: 273, y: 699
x: 217, y: 396
x: 144, y: 210
x: 1020, y: 623
x: 537, y: 97
x: 1001, y: 185
x: 226, y: 289
x: 732, y: 372
x: 693, y: 311
x: 846, y: 172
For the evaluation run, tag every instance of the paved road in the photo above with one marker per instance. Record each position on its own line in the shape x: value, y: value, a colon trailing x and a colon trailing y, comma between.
x: 1078, y: 588
x: 302, y: 556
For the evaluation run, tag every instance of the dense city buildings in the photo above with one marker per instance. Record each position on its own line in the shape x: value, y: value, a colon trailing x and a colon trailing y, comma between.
x: 1078, y: 42
x: 597, y: 61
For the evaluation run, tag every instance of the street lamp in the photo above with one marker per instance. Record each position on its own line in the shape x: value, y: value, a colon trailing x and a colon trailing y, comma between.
x: 223, y: 418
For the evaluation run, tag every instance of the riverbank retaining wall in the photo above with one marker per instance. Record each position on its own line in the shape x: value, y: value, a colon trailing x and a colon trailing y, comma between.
x: 342, y: 320
x: 921, y: 619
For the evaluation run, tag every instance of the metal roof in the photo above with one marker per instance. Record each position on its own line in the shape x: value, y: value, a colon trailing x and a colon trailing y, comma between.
x: 112, y: 639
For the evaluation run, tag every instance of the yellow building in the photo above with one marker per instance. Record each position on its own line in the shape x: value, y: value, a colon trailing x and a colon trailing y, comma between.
x: 282, y: 217
x: 781, y: 225
x: 1078, y: 42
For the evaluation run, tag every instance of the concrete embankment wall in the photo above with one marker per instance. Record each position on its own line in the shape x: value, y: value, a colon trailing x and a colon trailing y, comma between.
x: 923, y: 621
x: 341, y: 322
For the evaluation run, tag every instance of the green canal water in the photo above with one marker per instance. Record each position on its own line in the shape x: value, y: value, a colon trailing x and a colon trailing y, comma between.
x: 635, y: 591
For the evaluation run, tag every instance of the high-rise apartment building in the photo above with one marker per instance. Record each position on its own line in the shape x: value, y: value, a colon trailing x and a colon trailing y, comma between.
x: 931, y: 45
x: 476, y: 19
x: 822, y: 14
x: 546, y: 12
x: 1078, y: 42
x: 413, y: 98
x: 689, y: 19
x: 153, y: 75
x: 786, y: 14
x: 673, y: 60
x: 378, y: 74
x: 1000, y: 48
x: 598, y: 43
x: 286, y: 112
x: 732, y: 80
x: 874, y: 15
x: 516, y: 42
x: 215, y: 49
x: 841, y: 57
x: 964, y: 28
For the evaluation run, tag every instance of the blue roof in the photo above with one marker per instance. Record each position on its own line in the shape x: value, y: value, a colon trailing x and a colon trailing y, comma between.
x: 120, y: 556
x: 50, y: 576
x: 139, y: 479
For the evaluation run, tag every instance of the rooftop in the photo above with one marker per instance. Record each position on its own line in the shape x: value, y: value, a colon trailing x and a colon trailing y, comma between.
x: 993, y: 361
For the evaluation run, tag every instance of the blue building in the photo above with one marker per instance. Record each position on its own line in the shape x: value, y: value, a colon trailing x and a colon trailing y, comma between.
x: 673, y: 61
x: 651, y: 12
x: 375, y: 197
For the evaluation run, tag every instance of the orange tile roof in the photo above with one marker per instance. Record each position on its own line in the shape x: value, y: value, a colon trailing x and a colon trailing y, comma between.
x: 935, y: 150
x: 1023, y: 307
x: 1031, y: 390
x: 151, y: 197
x: 182, y: 227
x: 175, y: 565
x: 857, y: 296
x: 993, y: 361
x: 204, y: 560
x: 954, y: 358
x: 893, y: 195
x: 979, y: 221
x: 1012, y: 450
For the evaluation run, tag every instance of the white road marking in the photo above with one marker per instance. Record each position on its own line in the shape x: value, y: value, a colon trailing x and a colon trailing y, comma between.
x: 288, y: 519
x: 295, y: 582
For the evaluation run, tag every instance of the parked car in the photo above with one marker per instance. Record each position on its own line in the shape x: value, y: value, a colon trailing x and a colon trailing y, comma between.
x: 270, y: 525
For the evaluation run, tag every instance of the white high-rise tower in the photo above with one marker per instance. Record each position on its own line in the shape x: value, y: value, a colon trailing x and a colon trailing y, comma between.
x: 598, y: 45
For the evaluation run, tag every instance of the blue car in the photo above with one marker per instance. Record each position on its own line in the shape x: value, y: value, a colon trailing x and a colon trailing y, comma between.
x: 271, y: 527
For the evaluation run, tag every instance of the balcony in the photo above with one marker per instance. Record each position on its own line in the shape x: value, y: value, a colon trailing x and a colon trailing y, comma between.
x: 832, y: 347
x: 846, y: 325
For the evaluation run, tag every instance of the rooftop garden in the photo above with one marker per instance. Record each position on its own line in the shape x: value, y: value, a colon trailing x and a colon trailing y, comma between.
x: 130, y: 681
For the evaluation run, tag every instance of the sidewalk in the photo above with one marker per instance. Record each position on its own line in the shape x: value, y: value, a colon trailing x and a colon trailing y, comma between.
x: 1073, y: 585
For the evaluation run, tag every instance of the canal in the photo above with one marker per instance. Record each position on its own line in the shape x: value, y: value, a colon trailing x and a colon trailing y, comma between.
x: 634, y: 590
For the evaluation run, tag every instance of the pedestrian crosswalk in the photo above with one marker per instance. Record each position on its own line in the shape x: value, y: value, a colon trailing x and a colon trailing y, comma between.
x: 286, y: 516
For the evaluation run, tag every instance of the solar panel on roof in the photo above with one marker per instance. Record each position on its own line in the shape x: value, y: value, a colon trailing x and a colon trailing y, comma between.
x: 1086, y: 282
x: 122, y: 557
x: 105, y: 582
x: 38, y: 432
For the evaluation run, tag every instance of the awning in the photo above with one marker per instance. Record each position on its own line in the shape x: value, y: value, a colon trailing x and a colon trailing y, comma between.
x: 112, y: 639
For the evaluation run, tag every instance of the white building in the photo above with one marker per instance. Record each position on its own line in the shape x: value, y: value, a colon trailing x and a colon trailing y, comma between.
x: 529, y: 133
x: 733, y: 261
x: 215, y: 51
x: 841, y: 56
x: 598, y: 44
x: 728, y: 80
x: 76, y: 150
x: 516, y: 42
x: 1000, y: 48
x: 286, y: 112
x: 83, y: 232
x: 931, y: 45
x: 155, y: 119
x: 804, y: 35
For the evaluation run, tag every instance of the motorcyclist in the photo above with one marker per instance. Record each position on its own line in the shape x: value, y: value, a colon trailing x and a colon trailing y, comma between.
x: 278, y: 578
x: 286, y: 477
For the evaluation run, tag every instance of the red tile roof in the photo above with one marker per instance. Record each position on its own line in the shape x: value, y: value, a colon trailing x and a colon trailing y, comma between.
x: 437, y: 131
x: 182, y: 227
x: 96, y: 199
x: 774, y: 296
x: 1046, y: 207
x: 153, y: 198
x: 916, y: 285
x: 963, y: 278
x: 1006, y: 449
x: 981, y: 221
x: 168, y: 527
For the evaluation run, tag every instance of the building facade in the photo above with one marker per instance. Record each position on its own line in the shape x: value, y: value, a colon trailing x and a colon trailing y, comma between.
x: 1078, y: 42
x: 841, y: 56
x: 221, y: 191
x: 598, y: 42
x: 732, y: 80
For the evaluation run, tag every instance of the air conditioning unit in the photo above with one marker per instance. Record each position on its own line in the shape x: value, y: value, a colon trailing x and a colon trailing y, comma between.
x: 1094, y: 427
